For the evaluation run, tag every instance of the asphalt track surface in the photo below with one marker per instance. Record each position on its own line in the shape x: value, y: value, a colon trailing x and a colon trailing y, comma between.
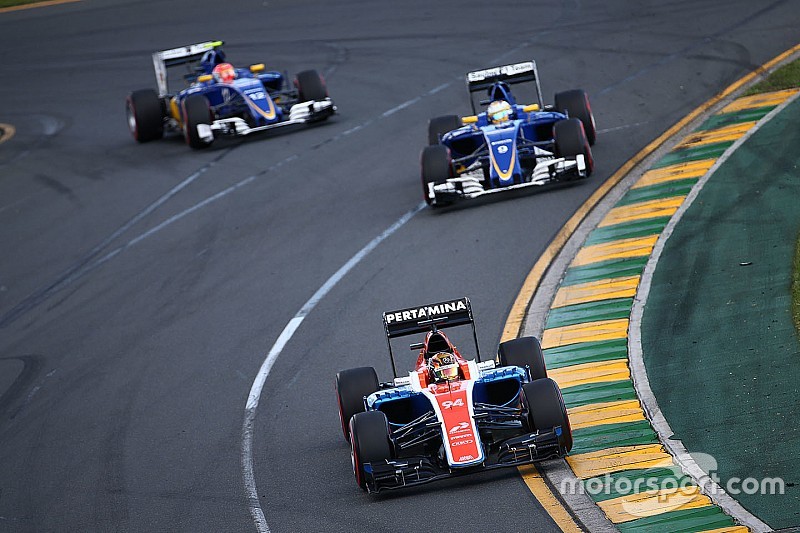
x: 141, y: 286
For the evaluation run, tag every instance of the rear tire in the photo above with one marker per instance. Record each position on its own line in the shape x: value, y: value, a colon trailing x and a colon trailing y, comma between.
x: 575, y: 104
x: 369, y: 441
x: 310, y: 86
x: 440, y: 125
x: 437, y: 167
x: 351, y: 387
x: 570, y: 141
x: 542, y: 399
x: 525, y: 351
x: 145, y: 116
x: 196, y: 110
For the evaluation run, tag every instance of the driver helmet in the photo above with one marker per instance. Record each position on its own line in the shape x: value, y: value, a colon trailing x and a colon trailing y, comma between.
x: 224, y: 73
x: 499, y: 111
x: 443, y: 366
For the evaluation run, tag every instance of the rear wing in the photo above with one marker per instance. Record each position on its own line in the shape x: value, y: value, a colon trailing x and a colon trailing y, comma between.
x: 178, y: 56
x: 481, y: 80
x: 416, y: 320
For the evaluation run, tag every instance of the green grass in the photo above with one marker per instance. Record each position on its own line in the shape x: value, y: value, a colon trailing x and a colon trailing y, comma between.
x: 11, y: 3
x: 786, y: 77
x: 796, y: 286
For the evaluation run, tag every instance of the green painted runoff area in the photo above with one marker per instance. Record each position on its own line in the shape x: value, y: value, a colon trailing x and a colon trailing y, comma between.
x: 720, y: 348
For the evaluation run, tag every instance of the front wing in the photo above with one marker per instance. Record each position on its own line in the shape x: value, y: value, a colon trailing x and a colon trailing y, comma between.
x: 301, y: 113
x: 409, y: 471
x: 468, y: 186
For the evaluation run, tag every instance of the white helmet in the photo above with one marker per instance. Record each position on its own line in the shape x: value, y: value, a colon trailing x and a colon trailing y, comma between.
x: 499, y: 111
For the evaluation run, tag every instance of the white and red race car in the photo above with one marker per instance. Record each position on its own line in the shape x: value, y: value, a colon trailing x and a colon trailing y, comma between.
x: 449, y: 416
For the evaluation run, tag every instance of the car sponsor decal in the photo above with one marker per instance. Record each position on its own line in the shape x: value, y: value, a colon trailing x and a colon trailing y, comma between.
x: 506, y: 70
x: 425, y: 312
x: 452, y: 402
x: 499, y: 150
x: 187, y: 51
x: 256, y: 97
x: 269, y: 114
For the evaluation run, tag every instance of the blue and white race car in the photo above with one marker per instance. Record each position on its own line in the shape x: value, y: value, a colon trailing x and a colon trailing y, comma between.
x: 221, y: 100
x: 509, y: 145
x: 450, y: 415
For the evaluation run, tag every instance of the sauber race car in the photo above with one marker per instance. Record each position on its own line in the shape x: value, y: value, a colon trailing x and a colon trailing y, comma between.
x: 222, y: 100
x: 449, y: 415
x: 509, y: 145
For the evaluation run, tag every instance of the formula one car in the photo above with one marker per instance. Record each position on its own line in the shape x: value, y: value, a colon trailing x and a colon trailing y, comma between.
x: 509, y: 145
x: 449, y: 416
x: 222, y: 100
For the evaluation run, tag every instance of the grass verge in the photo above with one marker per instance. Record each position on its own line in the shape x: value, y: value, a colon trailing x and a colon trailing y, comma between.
x: 14, y: 3
x: 786, y: 77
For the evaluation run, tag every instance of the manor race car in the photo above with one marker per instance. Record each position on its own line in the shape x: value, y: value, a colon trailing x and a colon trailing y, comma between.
x: 509, y: 145
x: 222, y: 100
x: 449, y: 415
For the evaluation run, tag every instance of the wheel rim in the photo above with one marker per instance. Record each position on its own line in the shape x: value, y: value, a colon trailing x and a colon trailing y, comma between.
x: 355, y: 462
x: 131, y: 120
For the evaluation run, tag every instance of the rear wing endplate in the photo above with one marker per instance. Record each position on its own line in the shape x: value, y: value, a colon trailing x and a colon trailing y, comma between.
x: 178, y: 56
x: 415, y: 320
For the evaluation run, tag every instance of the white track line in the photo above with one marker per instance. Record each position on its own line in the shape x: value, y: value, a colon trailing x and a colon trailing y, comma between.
x: 86, y: 264
x: 258, y: 384
x: 89, y: 264
x: 288, y: 332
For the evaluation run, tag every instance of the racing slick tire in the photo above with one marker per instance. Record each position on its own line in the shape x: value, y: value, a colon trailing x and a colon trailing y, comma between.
x: 351, y: 387
x: 145, y: 115
x: 545, y: 405
x: 523, y: 352
x: 310, y: 86
x: 438, y: 126
x: 369, y: 442
x: 195, y: 111
x: 570, y: 140
x: 437, y: 168
x: 575, y: 104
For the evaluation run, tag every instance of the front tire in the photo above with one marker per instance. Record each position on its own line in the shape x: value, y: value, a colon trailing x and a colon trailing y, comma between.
x: 575, y: 104
x: 523, y: 352
x: 369, y: 441
x: 545, y: 405
x: 438, y: 126
x: 437, y: 167
x: 310, y: 86
x: 351, y: 387
x: 570, y: 140
x: 196, y: 110
x: 145, y: 116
